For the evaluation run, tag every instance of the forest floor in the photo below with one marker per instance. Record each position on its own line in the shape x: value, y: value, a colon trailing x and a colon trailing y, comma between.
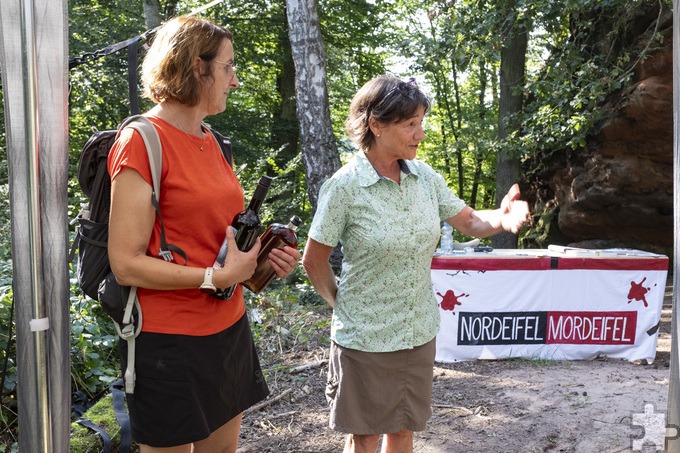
x: 494, y: 406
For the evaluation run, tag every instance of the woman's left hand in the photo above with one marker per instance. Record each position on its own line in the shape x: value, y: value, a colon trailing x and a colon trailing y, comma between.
x: 284, y: 260
x: 514, y: 212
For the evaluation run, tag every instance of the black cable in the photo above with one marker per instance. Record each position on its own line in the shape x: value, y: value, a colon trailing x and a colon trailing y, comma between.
x: 108, y: 50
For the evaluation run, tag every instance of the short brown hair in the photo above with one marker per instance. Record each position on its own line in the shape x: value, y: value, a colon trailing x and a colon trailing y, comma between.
x: 167, y: 70
x: 387, y: 99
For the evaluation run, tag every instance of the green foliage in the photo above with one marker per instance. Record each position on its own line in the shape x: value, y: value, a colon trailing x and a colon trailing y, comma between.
x: 6, y: 314
x: 455, y: 48
x: 94, y: 351
x: 5, y: 224
x: 98, y: 86
x: 4, y: 175
x: 83, y: 440
x: 283, y: 319
x: 8, y: 405
x: 580, y: 54
x: 356, y: 49
x: 545, y: 230
x: 592, y: 57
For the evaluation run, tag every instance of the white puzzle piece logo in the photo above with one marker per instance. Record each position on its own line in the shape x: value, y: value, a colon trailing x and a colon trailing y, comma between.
x: 654, y: 429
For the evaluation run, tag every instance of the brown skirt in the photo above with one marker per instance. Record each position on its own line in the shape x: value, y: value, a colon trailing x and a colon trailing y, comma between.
x: 380, y: 392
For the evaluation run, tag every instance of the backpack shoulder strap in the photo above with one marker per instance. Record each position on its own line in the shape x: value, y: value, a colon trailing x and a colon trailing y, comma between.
x: 152, y: 143
x: 224, y: 144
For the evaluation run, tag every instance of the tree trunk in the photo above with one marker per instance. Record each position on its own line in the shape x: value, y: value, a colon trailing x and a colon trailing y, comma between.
x: 442, y: 97
x: 286, y: 130
x: 152, y: 13
x: 459, y: 127
x: 319, y: 150
x: 479, y: 160
x: 513, y: 62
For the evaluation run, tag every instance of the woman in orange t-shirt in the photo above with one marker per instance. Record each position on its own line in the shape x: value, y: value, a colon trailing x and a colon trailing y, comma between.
x: 196, y: 366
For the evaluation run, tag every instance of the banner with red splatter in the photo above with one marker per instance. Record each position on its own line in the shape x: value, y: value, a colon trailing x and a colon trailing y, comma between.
x: 548, y: 307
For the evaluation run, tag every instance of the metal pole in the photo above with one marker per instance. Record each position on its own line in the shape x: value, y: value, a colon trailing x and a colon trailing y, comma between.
x: 39, y: 323
x: 672, y: 445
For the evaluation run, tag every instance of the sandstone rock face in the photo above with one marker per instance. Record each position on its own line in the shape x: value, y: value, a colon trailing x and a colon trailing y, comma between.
x: 619, y: 190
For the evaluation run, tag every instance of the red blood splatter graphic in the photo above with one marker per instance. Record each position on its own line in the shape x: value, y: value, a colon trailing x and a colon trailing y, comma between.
x: 450, y: 300
x: 637, y: 292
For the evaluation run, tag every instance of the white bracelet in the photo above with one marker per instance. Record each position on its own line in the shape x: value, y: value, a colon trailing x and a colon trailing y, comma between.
x: 207, y: 286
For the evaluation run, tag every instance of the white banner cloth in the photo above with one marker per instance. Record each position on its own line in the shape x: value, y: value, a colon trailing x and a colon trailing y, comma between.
x: 545, y: 305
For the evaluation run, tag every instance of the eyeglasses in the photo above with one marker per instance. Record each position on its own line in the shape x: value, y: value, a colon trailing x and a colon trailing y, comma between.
x: 229, y: 67
x: 405, y: 88
x: 408, y: 89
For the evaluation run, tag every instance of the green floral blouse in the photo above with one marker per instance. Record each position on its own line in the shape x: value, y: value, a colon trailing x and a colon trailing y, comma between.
x: 388, y: 233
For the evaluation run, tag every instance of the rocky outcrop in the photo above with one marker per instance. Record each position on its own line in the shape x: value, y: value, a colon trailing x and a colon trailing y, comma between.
x: 618, y: 190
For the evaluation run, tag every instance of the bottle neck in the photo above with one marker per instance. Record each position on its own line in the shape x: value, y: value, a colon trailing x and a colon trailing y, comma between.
x: 255, y: 204
x: 258, y: 198
x: 292, y: 226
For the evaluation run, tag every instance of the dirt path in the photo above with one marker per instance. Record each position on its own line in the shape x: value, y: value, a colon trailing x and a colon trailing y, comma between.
x: 482, y: 406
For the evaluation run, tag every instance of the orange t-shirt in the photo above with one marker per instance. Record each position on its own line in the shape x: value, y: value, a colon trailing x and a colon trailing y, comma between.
x: 199, y: 197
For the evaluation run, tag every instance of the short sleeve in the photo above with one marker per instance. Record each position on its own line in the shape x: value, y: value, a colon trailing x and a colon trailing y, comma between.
x: 449, y: 203
x: 129, y: 151
x: 331, y: 214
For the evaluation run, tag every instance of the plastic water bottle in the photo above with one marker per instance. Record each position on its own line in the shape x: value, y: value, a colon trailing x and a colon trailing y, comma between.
x: 446, y: 244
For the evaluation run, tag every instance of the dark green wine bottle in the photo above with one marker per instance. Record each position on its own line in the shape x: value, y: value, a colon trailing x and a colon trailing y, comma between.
x: 247, y: 228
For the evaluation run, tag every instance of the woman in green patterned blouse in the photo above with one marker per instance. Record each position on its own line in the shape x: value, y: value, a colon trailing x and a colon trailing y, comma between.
x: 385, y: 208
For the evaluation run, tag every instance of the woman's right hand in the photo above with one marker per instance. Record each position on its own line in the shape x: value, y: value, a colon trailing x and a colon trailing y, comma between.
x: 238, y: 266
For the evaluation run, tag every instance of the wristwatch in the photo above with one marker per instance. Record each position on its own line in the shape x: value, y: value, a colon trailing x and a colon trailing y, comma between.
x: 207, y: 286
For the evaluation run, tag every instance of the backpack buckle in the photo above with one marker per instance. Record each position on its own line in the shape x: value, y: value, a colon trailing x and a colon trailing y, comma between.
x: 165, y: 254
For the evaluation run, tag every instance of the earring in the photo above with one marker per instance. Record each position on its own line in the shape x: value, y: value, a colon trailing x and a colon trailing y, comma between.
x: 378, y: 135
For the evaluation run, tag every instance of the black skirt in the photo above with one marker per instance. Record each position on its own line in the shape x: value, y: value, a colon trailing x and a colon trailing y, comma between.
x: 186, y: 387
